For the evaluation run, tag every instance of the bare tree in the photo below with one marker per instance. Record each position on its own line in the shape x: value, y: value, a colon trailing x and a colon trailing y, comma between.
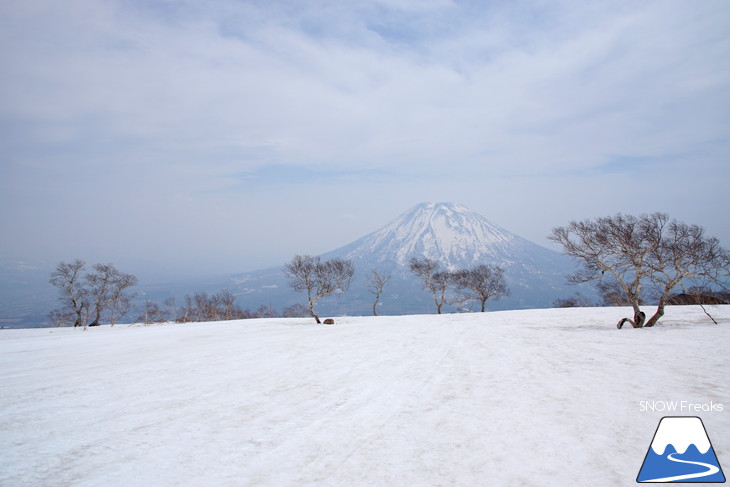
x: 107, y: 286
x: 61, y: 317
x: 87, y: 311
x: 186, y: 313
x: 120, y: 305
x: 377, y: 281
x: 151, y: 312
x: 433, y: 278
x: 203, y: 309
x: 576, y: 301
x: 318, y: 278
x: 119, y: 301
x: 227, y: 301
x: 481, y: 283
x: 67, y: 277
x: 649, y: 250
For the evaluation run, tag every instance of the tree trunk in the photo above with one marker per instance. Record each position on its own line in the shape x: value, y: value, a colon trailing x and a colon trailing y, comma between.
x: 97, y: 318
x: 78, y: 310
x: 659, y: 313
x: 638, y: 321
x: 484, y: 304
x: 312, y: 300
x: 314, y: 315
x: 639, y: 318
x: 375, y: 305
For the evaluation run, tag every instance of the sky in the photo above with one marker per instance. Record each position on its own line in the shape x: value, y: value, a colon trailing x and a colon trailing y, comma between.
x: 225, y: 136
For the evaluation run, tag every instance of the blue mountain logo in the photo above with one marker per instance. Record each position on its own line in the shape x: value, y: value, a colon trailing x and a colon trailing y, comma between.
x: 681, y: 452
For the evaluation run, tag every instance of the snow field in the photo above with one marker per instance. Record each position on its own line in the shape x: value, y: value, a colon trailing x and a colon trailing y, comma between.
x: 537, y: 397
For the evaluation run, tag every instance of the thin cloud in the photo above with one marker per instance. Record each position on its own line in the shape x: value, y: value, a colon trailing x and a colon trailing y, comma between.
x: 172, y: 103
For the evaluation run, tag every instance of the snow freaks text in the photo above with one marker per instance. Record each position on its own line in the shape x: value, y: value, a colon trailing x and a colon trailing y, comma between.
x: 680, y: 407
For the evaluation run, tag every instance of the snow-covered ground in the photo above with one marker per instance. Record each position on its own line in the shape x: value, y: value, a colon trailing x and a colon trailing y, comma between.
x: 540, y: 397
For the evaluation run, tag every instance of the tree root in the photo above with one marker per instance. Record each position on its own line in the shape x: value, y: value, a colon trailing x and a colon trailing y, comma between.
x: 637, y: 322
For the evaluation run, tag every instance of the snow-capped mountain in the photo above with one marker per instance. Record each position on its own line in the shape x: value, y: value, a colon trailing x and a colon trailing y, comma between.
x: 449, y: 233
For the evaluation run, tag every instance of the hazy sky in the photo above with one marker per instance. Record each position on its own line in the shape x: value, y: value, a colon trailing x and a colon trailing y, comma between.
x: 225, y: 136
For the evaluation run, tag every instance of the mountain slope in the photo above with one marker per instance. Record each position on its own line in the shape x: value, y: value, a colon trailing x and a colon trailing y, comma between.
x: 449, y: 233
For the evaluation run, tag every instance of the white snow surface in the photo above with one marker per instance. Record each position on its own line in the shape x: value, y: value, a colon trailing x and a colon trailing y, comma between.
x: 539, y: 397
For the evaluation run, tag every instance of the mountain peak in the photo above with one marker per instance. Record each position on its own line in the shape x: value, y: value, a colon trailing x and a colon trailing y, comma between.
x: 449, y: 233
x: 440, y: 205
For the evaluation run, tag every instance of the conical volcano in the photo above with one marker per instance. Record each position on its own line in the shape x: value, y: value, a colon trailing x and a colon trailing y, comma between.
x: 457, y: 238
x: 448, y: 233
